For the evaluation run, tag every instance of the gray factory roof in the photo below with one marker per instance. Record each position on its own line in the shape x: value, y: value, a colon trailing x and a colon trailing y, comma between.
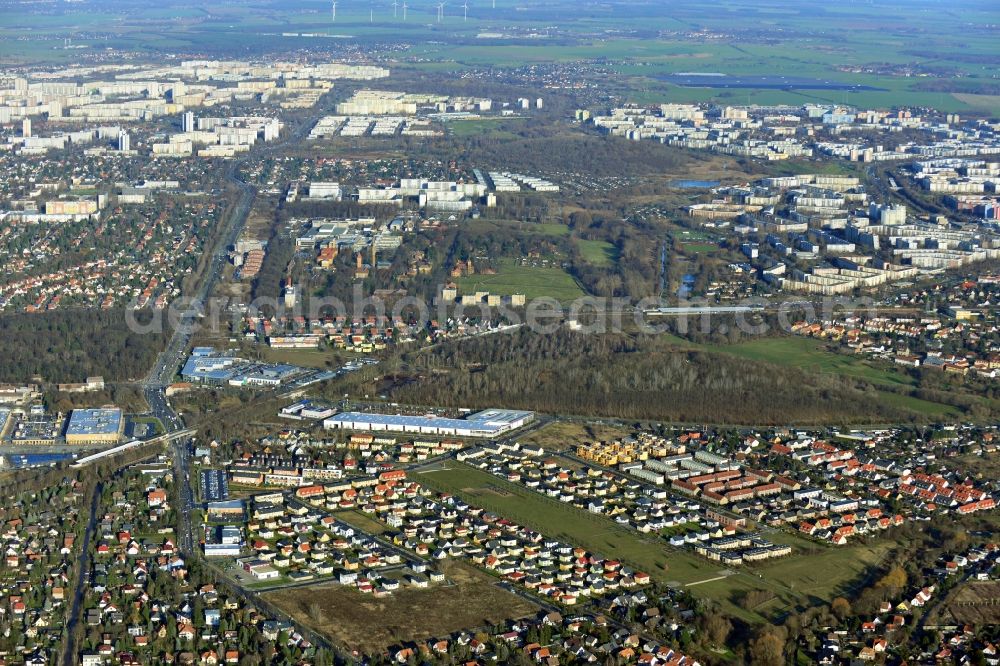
x: 502, y: 417
x: 94, y: 421
x: 490, y: 420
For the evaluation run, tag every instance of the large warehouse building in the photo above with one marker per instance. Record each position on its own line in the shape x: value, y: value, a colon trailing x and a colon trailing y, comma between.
x: 95, y: 426
x: 487, y: 423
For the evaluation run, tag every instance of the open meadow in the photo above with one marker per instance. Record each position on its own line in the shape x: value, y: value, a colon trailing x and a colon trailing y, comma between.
x: 362, y: 622
x: 534, y: 281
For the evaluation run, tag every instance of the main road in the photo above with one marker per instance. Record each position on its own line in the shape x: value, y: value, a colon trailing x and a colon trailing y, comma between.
x: 169, y: 361
x: 82, y: 578
x: 163, y: 371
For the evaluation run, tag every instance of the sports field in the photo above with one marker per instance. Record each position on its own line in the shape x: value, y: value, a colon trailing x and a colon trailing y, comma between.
x: 699, y: 248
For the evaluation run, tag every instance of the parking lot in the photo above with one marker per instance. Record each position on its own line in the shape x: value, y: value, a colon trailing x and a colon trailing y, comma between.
x: 214, y: 485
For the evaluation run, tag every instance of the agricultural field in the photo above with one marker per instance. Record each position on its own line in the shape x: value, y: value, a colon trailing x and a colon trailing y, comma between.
x: 990, y: 103
x: 646, y: 43
x: 370, y: 625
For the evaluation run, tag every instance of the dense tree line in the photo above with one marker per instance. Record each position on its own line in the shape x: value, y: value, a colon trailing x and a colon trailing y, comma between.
x: 634, y: 378
x: 268, y: 283
x: 591, y: 155
x: 127, y: 396
x: 70, y: 345
x: 539, y: 149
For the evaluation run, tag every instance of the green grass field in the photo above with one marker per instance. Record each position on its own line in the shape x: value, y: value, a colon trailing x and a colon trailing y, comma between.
x: 810, y: 355
x: 831, y: 167
x: 363, y: 522
x: 598, y: 253
x: 990, y: 103
x: 927, y: 408
x: 324, y: 357
x: 814, y: 574
x: 309, y: 358
x: 827, y: 573
x: 699, y: 248
x: 486, y: 226
x: 533, y: 282
x: 544, y: 228
x: 555, y: 519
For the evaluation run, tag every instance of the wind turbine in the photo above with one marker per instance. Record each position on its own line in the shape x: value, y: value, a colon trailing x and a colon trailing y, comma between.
x: 466, y: 8
x: 394, y: 5
x: 404, y: 11
x: 335, y: 10
x: 440, y: 11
